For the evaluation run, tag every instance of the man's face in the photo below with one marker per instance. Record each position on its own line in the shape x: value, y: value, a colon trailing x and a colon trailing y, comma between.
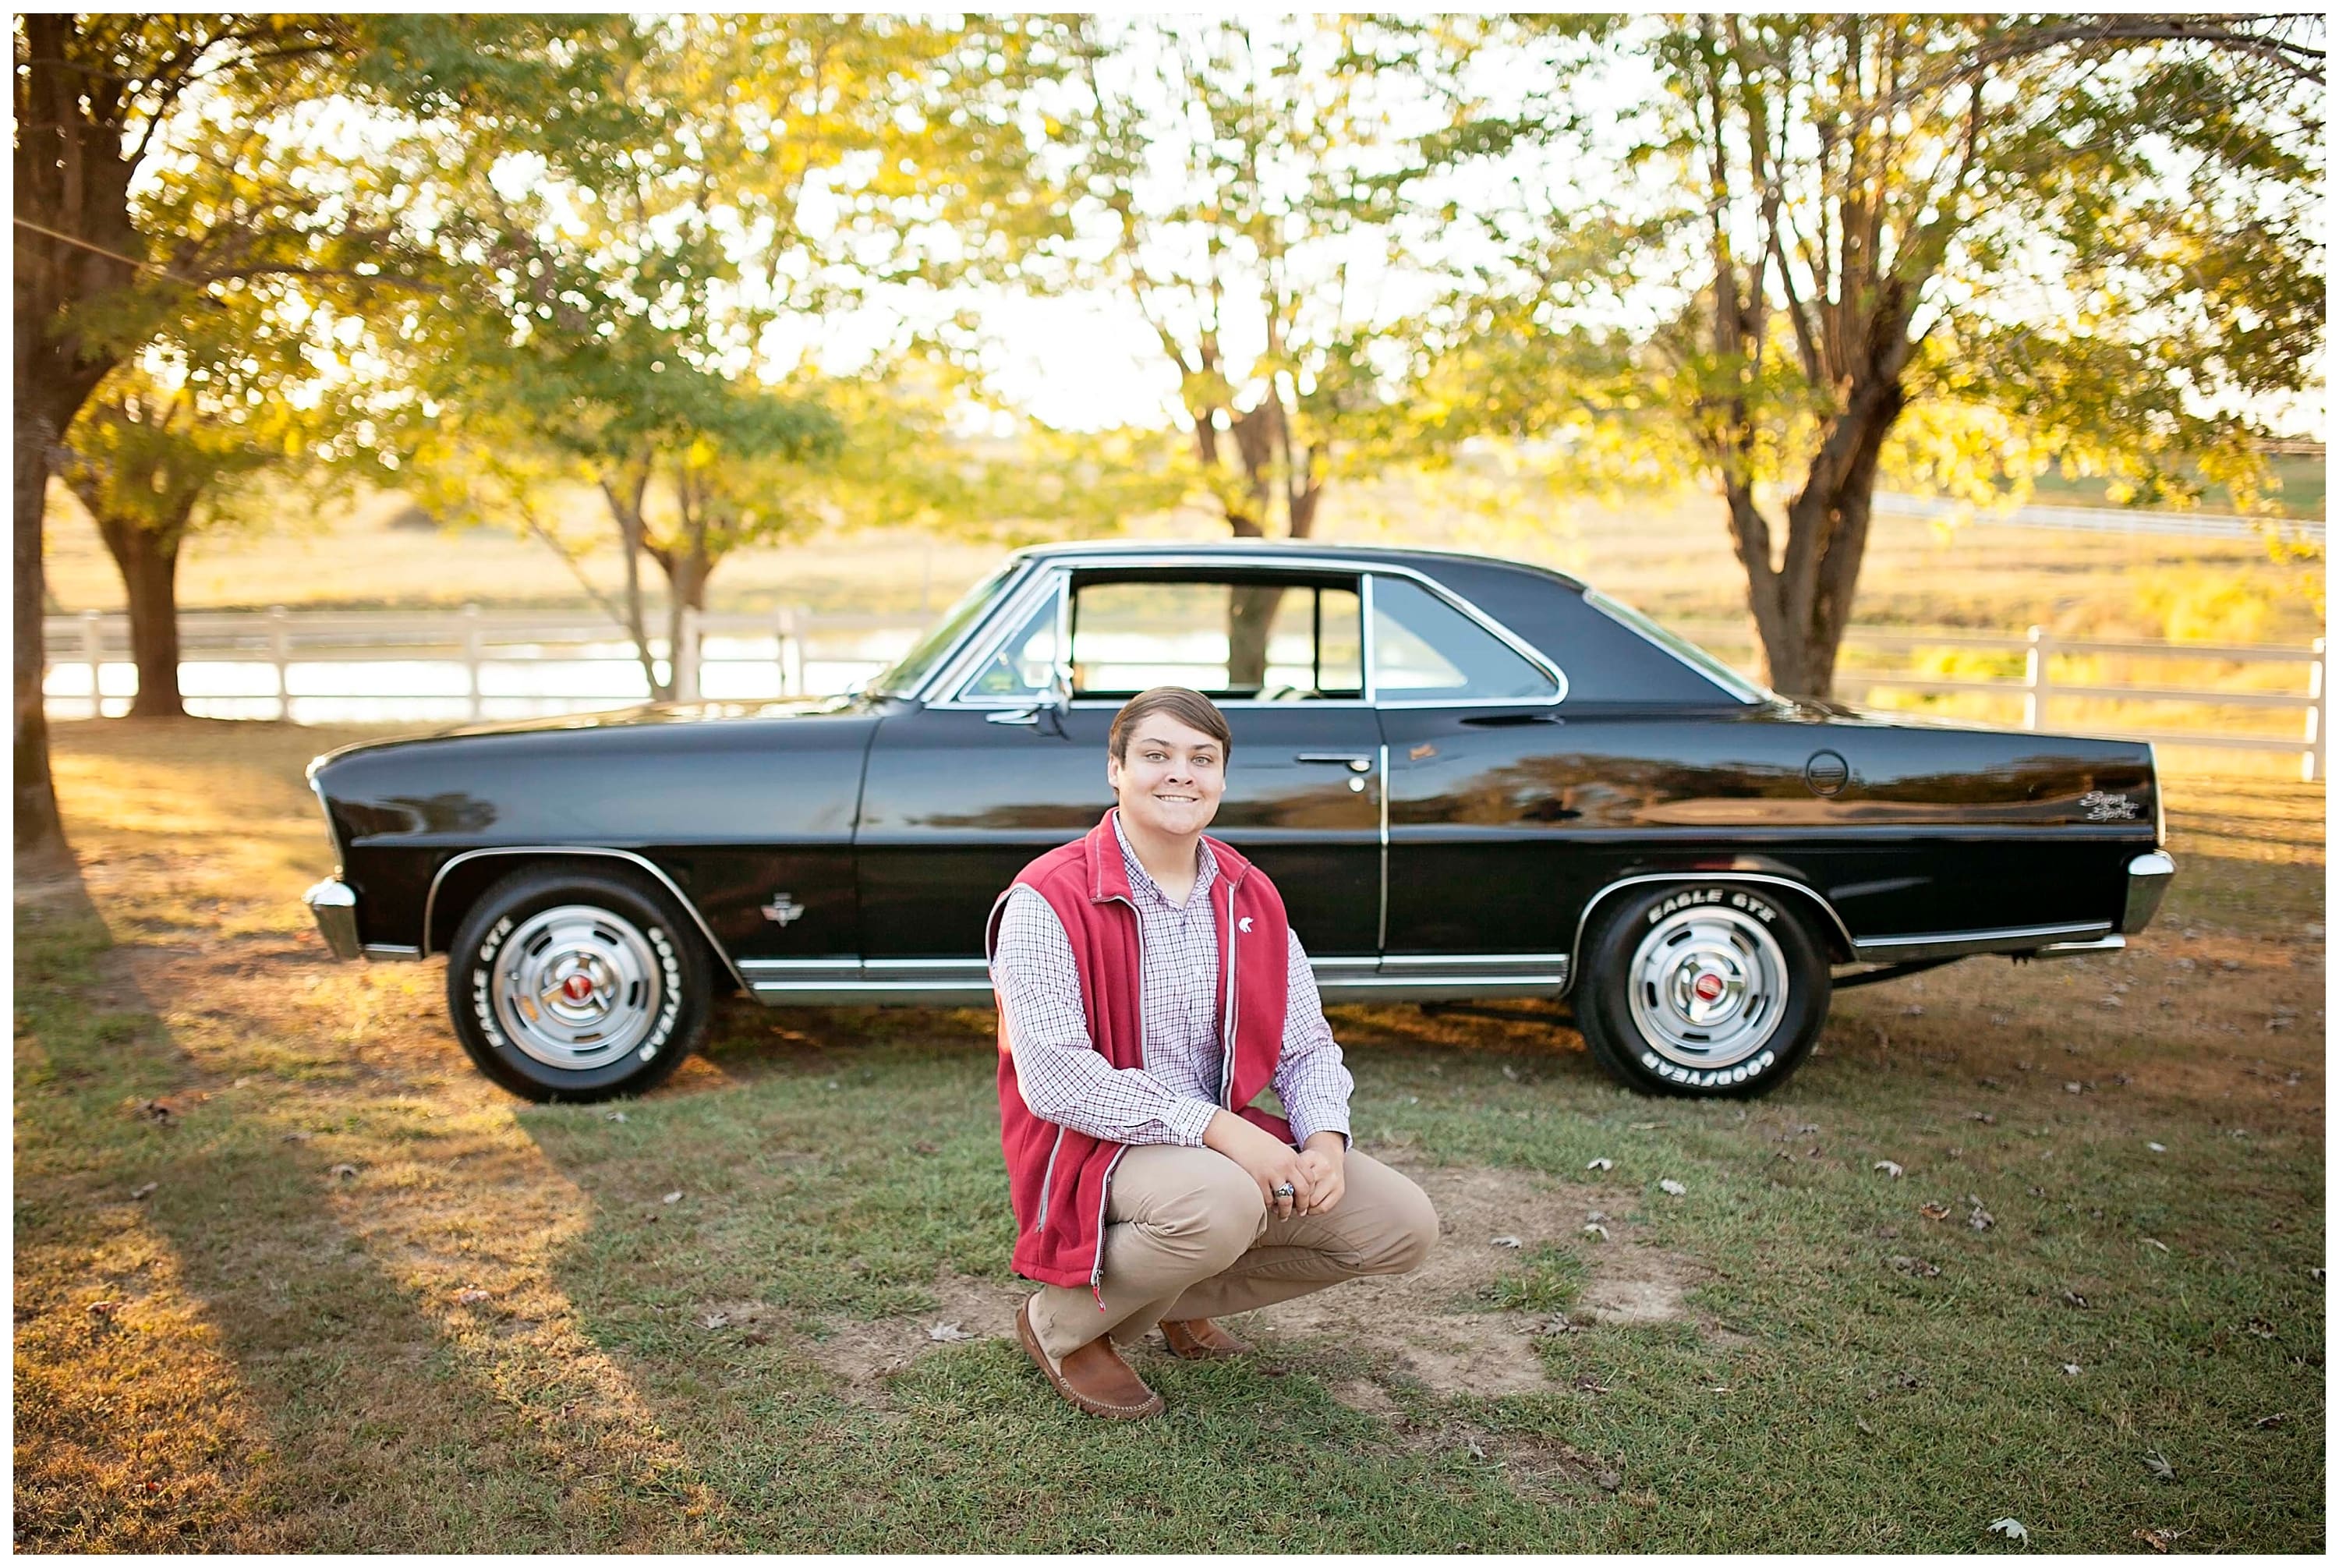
x: 1171, y: 778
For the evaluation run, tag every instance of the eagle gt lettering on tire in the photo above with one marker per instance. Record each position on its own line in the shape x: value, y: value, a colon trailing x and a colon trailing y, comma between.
x: 569, y: 982
x: 1706, y: 989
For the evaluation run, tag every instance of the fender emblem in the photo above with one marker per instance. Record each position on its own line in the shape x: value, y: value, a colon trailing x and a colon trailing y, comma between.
x: 782, y: 909
x: 2102, y: 805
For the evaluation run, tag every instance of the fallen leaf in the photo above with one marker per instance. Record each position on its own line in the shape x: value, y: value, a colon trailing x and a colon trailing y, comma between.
x: 1608, y: 1480
x: 1595, y: 1217
x: 924, y: 1147
x: 2263, y: 1422
x: 1558, y: 1323
x: 2151, y: 1241
x: 1596, y: 1231
x: 2318, y: 1275
x: 345, y: 1172
x: 2072, y: 1088
x: 2073, y: 1298
x: 470, y: 1297
x: 2258, y: 1328
x: 1984, y: 1117
x: 140, y: 1193
x: 1808, y: 1127
x: 1980, y: 1219
x: 1914, y: 1009
x: 1934, y: 1210
x: 2156, y: 1538
x: 1890, y: 1167
x: 103, y: 1309
x: 1478, y: 1449
x: 1915, y: 1266
x: 297, y: 1136
x: 1512, y: 1242
x: 715, y: 1320
x: 947, y: 1334
x: 1670, y: 1185
x: 2159, y: 1465
x: 2010, y: 1528
x: 1601, y: 1165
x: 615, y: 1116
x: 155, y: 1110
x: 2157, y: 1148
x: 2070, y: 1369
x: 1510, y: 1073
x: 674, y: 1196
x: 1646, y: 1126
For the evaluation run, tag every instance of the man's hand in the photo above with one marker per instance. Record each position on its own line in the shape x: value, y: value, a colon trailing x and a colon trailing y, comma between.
x: 1325, y: 1159
x: 1265, y: 1158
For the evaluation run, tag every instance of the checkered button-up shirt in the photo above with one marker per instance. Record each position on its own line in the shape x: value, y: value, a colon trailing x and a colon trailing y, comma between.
x: 1170, y: 1099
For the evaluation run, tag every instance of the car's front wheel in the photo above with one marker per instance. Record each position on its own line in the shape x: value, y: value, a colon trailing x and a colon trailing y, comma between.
x: 567, y: 983
x: 1706, y: 990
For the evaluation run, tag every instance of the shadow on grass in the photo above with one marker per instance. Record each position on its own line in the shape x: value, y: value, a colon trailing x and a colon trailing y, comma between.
x: 216, y: 1350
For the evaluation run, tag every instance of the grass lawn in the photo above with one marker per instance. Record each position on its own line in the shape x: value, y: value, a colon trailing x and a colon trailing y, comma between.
x: 290, y: 1276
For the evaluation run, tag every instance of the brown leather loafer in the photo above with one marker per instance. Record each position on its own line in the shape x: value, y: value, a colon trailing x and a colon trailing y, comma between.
x: 1200, y: 1339
x: 1093, y: 1379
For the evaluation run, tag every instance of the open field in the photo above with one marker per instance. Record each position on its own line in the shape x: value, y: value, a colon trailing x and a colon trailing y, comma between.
x: 290, y: 1276
x: 1671, y: 557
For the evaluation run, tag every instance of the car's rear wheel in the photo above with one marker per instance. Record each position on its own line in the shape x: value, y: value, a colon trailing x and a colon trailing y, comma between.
x: 572, y: 983
x: 1708, y: 989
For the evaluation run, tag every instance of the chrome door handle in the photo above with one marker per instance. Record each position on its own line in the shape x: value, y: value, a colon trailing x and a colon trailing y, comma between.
x: 1349, y: 760
x: 1029, y: 716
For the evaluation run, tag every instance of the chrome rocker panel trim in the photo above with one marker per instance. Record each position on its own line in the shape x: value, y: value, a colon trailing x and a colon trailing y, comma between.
x: 430, y: 899
x: 2085, y: 936
x: 966, y: 981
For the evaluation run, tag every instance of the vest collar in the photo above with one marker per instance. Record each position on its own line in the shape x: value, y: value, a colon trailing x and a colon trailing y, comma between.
x: 1108, y: 877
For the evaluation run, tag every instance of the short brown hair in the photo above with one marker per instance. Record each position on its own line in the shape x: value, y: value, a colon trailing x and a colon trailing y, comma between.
x: 1188, y: 706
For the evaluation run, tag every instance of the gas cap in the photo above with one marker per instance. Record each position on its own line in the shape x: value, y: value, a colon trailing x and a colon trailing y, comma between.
x: 1827, y: 773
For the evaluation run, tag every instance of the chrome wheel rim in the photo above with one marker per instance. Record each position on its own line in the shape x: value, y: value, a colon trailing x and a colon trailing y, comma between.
x: 1708, y: 986
x: 577, y: 987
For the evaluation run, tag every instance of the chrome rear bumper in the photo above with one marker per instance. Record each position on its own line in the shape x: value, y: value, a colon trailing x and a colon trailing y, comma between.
x: 2149, y: 876
x: 335, y: 907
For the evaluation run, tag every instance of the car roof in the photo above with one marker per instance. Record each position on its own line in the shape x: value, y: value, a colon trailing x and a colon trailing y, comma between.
x: 1299, y: 552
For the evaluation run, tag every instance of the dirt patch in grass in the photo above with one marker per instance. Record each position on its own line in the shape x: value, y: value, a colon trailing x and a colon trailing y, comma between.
x: 861, y: 1353
x: 1426, y: 1329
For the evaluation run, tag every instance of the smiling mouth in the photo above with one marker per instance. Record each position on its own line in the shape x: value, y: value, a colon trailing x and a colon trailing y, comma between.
x: 1178, y: 799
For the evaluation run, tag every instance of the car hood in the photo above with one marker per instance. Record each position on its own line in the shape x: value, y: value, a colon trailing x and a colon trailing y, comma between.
x: 642, y: 716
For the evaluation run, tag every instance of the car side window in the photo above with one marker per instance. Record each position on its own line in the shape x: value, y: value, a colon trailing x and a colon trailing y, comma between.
x: 1025, y: 664
x: 1256, y: 640
x: 1425, y: 650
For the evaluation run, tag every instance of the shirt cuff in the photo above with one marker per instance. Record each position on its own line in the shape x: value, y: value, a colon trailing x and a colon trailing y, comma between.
x: 1302, y: 1129
x: 1188, y: 1118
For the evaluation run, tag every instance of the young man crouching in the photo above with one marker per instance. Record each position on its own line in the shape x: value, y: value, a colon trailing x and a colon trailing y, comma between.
x: 1145, y: 1186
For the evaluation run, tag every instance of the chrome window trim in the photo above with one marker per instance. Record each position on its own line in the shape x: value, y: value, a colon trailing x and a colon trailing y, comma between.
x: 430, y: 899
x: 954, y: 672
x: 341, y: 856
x: 1576, y: 948
x: 1501, y: 633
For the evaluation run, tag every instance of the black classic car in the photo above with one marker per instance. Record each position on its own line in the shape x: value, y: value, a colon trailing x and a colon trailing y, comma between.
x: 1470, y: 778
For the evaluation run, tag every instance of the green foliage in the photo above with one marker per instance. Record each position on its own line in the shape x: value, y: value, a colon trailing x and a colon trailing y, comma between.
x: 1962, y: 251
x: 1251, y: 186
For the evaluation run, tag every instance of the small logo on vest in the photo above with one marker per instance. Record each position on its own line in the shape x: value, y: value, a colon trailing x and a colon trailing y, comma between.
x: 1243, y: 925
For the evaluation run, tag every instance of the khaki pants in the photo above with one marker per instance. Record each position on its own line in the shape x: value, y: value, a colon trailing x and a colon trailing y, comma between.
x: 1187, y: 1236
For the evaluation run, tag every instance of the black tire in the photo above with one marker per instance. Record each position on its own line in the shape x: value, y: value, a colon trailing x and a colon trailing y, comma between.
x: 1674, y: 942
x: 637, y: 958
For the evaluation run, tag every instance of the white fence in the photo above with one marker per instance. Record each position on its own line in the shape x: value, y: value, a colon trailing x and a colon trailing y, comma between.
x: 323, y: 667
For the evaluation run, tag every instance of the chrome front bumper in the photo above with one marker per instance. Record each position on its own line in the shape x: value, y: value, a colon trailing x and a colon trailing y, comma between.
x: 335, y: 907
x: 2149, y: 876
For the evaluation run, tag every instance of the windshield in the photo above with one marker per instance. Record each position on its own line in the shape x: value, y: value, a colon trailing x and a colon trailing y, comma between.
x: 1681, y: 647
x: 912, y: 667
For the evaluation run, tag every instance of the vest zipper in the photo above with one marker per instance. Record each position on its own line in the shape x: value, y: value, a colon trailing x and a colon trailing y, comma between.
x: 1104, y: 1187
x: 1226, y: 1063
x: 1048, y: 1178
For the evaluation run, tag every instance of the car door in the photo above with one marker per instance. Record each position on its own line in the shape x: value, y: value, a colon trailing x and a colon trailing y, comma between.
x: 962, y: 792
x: 1469, y: 715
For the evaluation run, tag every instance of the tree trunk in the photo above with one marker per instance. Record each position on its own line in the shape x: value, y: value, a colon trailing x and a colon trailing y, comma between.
x: 148, y: 560
x: 38, y: 827
x: 1251, y: 615
x: 1802, y: 607
x: 624, y: 495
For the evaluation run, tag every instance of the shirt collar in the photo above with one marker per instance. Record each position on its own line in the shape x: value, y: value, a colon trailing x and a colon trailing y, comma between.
x: 1205, y: 868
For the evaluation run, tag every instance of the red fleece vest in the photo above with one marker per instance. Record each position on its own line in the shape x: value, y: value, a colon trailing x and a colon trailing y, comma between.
x: 1057, y: 1177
